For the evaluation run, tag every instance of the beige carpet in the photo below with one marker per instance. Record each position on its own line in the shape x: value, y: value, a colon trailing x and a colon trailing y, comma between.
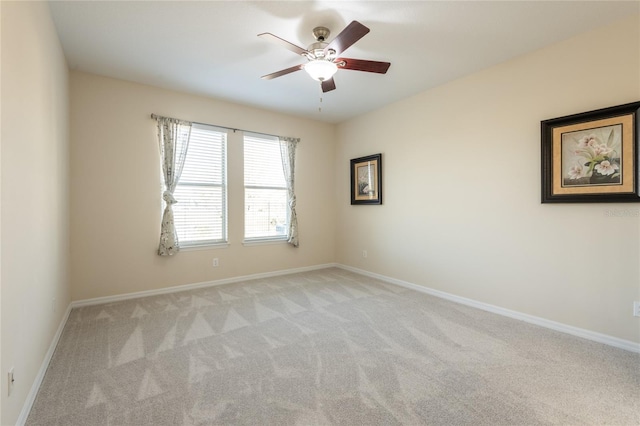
x: 326, y: 347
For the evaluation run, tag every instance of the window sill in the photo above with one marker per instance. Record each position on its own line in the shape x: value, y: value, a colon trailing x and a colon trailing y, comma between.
x: 263, y: 242
x: 212, y: 246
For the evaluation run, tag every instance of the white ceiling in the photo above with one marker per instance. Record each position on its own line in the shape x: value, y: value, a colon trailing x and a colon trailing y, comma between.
x: 211, y: 47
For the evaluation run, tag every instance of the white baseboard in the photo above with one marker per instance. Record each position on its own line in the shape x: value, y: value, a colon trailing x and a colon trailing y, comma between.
x: 175, y: 289
x: 33, y: 392
x: 553, y: 325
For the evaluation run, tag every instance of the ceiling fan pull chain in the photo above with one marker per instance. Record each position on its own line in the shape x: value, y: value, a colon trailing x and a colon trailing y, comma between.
x: 320, y: 104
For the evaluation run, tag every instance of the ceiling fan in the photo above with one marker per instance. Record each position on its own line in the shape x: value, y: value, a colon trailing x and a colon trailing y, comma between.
x: 324, y: 58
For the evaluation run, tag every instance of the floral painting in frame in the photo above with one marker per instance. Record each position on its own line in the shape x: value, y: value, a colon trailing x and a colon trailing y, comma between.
x: 366, y: 180
x: 591, y: 156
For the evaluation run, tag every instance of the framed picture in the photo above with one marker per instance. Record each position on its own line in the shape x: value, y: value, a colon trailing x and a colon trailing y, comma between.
x: 366, y: 180
x: 591, y: 157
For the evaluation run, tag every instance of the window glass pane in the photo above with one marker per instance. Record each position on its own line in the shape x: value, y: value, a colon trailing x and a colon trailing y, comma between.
x: 265, y: 213
x: 198, y: 215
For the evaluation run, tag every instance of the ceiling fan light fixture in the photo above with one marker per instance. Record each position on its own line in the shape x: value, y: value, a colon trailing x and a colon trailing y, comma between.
x: 320, y: 70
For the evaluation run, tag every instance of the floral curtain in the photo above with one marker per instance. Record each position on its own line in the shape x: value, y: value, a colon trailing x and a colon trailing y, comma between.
x: 173, y: 136
x: 288, y: 152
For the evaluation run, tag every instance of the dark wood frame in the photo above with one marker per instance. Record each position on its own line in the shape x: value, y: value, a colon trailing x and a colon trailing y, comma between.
x: 551, y: 131
x: 376, y: 197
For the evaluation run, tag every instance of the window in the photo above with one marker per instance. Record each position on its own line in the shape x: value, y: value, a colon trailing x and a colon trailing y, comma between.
x: 265, y: 189
x: 200, y: 215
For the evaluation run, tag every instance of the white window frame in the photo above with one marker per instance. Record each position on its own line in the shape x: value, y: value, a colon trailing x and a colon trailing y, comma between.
x: 271, y: 238
x: 213, y: 243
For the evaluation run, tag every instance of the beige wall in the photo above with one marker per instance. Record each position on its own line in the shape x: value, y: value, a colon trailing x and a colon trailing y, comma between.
x: 115, y: 184
x: 34, y: 194
x: 462, y: 211
x: 461, y: 206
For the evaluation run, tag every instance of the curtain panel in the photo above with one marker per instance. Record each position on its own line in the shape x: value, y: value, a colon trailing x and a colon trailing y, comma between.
x: 173, y: 138
x: 288, y: 153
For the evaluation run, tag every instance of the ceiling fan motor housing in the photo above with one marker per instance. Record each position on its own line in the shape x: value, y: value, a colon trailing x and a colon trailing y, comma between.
x: 317, y: 49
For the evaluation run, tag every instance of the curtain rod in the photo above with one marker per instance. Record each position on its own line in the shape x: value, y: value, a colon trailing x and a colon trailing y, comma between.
x: 154, y: 116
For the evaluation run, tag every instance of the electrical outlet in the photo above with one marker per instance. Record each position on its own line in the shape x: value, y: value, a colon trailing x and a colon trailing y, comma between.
x: 10, y: 381
x: 215, y: 262
x: 636, y: 309
x: 364, y: 253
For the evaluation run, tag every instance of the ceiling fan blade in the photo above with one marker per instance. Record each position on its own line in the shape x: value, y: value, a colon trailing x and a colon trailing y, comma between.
x: 284, y: 43
x: 281, y: 72
x: 363, y: 65
x: 352, y: 33
x: 328, y: 85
